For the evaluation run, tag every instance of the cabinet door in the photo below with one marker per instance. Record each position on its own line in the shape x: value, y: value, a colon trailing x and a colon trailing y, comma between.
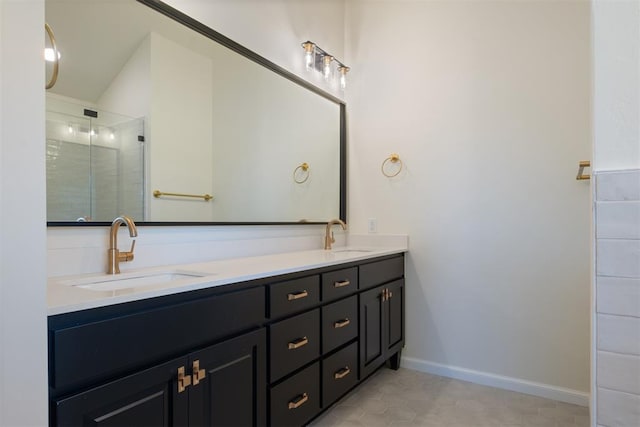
x: 372, y: 331
x: 394, y: 308
x: 147, y: 398
x: 233, y: 389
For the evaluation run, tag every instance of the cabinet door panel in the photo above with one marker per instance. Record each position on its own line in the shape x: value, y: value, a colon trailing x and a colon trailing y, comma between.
x: 371, y: 331
x: 395, y: 318
x: 233, y: 391
x: 147, y: 398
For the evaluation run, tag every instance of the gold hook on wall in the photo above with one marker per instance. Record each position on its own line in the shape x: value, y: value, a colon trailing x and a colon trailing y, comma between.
x: 303, y: 170
x: 393, y: 159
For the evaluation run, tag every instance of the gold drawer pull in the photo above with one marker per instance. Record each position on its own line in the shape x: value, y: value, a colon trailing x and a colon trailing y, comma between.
x: 341, y: 284
x: 341, y: 323
x: 184, y: 380
x: 298, y: 401
x: 297, y: 295
x: 342, y: 373
x: 298, y: 343
x: 198, y: 374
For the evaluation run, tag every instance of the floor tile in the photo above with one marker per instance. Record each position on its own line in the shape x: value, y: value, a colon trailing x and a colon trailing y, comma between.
x: 407, y: 398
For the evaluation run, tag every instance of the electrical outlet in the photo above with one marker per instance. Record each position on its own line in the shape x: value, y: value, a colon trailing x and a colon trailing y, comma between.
x: 372, y: 226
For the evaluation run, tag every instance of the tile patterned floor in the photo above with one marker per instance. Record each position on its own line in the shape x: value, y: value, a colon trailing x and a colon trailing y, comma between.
x: 411, y: 399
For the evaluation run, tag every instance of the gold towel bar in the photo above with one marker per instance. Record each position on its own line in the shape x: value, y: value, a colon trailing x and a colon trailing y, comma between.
x: 206, y: 197
x: 581, y: 175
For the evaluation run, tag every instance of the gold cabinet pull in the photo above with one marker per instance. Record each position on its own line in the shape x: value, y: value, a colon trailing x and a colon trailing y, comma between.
x: 297, y: 295
x: 341, y: 284
x: 342, y: 373
x: 198, y: 374
x: 184, y: 380
x: 298, y: 401
x: 389, y: 294
x: 341, y: 323
x: 384, y: 294
x: 298, y: 343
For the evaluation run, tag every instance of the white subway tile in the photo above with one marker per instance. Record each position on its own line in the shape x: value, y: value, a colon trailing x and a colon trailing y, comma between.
x: 619, y: 334
x: 618, y: 258
x: 618, y: 409
x: 620, y: 185
x: 618, y: 296
x: 618, y: 220
x: 620, y: 372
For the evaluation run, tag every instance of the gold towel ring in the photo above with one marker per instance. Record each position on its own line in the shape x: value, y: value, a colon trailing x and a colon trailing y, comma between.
x: 56, y: 61
x: 393, y: 158
x: 304, y: 167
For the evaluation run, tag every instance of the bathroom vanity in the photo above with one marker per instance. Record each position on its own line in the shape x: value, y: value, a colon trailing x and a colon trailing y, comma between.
x: 276, y: 349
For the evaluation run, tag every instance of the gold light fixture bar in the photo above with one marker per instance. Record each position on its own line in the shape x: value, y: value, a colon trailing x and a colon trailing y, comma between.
x: 206, y: 197
x: 321, y: 61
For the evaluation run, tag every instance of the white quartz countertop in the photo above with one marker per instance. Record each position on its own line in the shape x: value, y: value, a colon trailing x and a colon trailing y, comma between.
x: 70, y: 293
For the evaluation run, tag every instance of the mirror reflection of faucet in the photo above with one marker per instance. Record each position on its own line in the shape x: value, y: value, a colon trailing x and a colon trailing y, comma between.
x: 328, y: 237
x: 114, y: 256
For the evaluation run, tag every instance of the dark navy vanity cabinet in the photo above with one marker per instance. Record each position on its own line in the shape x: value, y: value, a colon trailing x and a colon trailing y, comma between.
x: 273, y: 351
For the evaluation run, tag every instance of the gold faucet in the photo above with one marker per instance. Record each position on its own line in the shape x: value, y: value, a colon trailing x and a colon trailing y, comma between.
x: 328, y: 237
x: 115, y: 257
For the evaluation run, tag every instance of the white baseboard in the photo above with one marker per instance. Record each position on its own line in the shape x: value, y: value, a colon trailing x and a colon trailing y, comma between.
x: 508, y: 383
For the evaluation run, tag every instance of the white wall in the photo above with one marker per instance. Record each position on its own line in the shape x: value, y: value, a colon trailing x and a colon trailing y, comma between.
x: 616, y: 89
x: 23, y: 341
x: 488, y: 105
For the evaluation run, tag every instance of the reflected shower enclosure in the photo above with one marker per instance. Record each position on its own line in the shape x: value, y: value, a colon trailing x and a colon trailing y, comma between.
x: 94, y: 164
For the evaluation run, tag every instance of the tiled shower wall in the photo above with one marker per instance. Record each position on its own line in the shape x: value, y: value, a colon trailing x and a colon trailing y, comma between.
x: 617, y: 225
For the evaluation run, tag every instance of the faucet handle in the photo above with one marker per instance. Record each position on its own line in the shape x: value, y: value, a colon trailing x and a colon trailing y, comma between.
x: 127, y: 256
x: 333, y: 239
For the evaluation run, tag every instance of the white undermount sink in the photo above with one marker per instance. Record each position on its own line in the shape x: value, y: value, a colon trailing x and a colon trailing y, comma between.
x: 351, y: 251
x: 133, y: 280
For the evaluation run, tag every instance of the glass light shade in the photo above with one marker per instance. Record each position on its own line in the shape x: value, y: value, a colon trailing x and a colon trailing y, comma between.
x: 326, y: 67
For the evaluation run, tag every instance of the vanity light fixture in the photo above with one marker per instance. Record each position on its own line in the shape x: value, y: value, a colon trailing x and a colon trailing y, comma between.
x: 319, y: 60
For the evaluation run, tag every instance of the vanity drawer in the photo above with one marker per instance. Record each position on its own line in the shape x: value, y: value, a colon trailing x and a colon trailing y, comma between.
x: 96, y: 351
x: 339, y: 373
x: 377, y: 273
x: 296, y: 400
x: 293, y: 295
x: 339, y: 323
x: 294, y: 343
x: 337, y: 284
